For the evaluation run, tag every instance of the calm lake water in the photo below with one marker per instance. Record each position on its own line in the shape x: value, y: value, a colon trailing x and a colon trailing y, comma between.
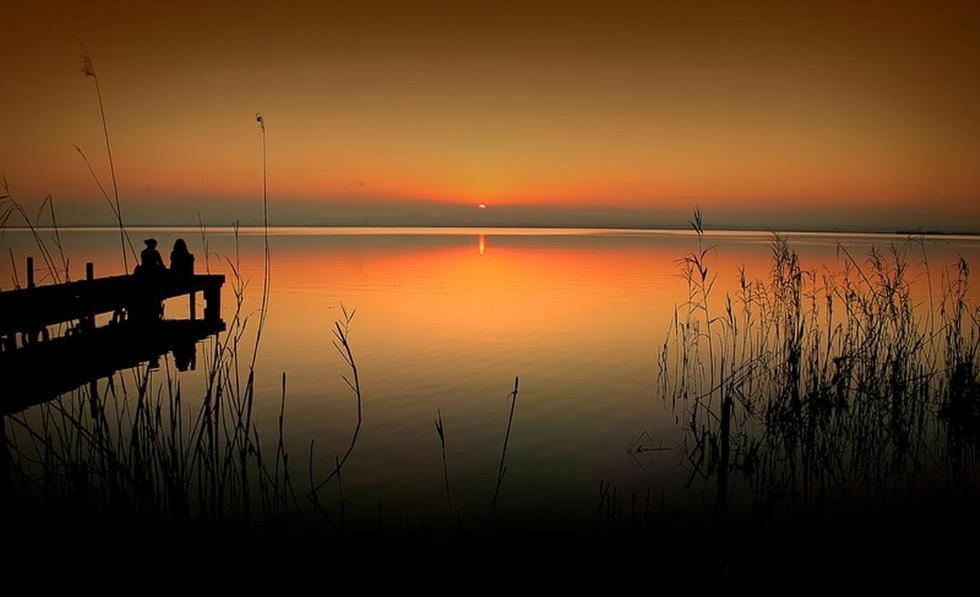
x: 445, y: 319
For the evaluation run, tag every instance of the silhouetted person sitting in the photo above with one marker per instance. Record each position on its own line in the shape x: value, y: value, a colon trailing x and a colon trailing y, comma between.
x: 148, y: 305
x: 181, y: 260
x: 150, y: 260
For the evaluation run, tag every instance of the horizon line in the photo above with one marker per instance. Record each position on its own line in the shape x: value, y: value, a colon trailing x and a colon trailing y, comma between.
x: 525, y: 227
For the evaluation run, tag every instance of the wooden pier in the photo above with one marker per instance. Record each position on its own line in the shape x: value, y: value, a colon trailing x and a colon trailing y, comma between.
x: 37, y: 363
x: 28, y: 312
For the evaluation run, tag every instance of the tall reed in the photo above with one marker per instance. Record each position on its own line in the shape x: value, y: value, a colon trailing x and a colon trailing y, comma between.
x: 502, y: 469
x: 88, y: 69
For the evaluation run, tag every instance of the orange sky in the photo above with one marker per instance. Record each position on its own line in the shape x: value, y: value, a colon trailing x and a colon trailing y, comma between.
x: 585, y: 113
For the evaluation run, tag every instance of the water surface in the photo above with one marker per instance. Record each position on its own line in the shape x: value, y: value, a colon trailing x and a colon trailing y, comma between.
x: 446, y: 319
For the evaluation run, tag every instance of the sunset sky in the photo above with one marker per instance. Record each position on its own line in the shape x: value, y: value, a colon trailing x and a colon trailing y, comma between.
x: 824, y: 115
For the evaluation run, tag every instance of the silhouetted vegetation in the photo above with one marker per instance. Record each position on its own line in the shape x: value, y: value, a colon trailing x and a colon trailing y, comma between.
x: 810, y: 390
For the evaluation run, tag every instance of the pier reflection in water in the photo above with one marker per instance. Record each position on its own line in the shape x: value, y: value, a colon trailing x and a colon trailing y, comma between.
x: 40, y: 372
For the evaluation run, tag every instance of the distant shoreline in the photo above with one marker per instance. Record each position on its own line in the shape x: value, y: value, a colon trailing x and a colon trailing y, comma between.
x: 110, y: 227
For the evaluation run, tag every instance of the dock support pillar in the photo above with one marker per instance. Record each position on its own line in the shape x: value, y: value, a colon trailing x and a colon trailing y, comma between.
x: 30, y: 272
x: 95, y: 406
x: 212, y: 307
x: 88, y: 321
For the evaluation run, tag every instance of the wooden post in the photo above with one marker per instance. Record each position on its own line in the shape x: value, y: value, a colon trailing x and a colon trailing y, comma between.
x: 30, y: 272
x: 93, y: 396
x: 212, y: 307
x: 88, y: 322
x: 193, y: 305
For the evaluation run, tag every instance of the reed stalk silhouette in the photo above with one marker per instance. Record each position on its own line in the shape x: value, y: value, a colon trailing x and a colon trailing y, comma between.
x: 342, y: 345
x: 502, y: 469
x: 88, y: 69
x: 441, y: 431
x: 267, y: 254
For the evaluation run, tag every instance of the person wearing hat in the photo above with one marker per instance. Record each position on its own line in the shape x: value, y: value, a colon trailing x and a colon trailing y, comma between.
x: 150, y: 259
